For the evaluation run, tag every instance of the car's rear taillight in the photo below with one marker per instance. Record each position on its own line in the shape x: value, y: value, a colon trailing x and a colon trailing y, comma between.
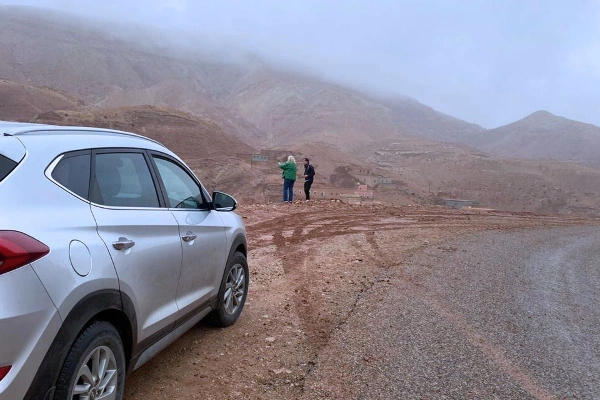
x: 18, y: 249
x: 4, y: 371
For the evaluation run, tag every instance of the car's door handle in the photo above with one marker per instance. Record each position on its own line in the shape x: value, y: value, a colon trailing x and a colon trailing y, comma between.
x: 189, y: 236
x: 123, y: 244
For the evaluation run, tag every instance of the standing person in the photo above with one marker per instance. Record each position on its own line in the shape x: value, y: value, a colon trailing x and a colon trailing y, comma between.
x: 309, y: 174
x: 289, y: 177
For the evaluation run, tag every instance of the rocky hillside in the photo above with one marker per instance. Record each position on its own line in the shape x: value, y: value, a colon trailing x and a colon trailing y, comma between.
x: 21, y: 102
x: 433, y: 171
x: 188, y: 135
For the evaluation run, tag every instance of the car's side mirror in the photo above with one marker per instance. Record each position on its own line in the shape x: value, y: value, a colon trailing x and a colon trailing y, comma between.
x: 223, y: 202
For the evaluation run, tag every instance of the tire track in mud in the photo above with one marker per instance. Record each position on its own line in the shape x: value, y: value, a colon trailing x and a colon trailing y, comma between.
x: 295, y: 262
x: 332, y: 226
x: 310, y: 229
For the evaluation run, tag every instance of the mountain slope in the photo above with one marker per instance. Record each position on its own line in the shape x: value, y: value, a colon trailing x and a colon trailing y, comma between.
x: 47, y: 48
x: 256, y: 102
x: 416, y: 119
x: 440, y: 170
x: 189, y: 136
x: 544, y: 135
x: 292, y: 108
x: 22, y: 102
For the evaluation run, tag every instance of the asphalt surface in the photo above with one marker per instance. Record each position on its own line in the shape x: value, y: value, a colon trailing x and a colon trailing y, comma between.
x: 492, y: 315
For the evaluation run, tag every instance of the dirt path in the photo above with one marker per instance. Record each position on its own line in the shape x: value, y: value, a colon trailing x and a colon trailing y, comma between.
x: 310, y: 264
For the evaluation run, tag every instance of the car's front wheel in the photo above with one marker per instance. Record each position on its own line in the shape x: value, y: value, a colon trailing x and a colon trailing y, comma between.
x: 95, y: 366
x: 233, y: 291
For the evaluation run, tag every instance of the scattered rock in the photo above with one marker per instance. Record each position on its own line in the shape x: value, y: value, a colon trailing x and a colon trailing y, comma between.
x: 281, y: 371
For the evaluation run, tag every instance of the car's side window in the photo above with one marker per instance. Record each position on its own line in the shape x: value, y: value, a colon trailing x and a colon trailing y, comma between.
x: 123, y: 180
x: 6, y: 166
x: 73, y: 172
x: 182, y: 190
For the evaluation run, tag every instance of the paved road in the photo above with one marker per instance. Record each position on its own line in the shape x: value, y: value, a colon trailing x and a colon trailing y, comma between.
x: 507, y: 315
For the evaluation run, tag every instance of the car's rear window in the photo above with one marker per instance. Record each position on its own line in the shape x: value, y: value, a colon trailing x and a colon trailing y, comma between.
x: 73, y: 172
x: 6, y: 166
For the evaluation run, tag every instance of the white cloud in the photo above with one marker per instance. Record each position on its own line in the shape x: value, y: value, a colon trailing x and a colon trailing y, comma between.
x: 585, y: 61
x: 177, y: 5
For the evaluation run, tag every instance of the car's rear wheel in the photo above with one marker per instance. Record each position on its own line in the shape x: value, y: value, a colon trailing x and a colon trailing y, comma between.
x: 233, y: 291
x: 95, y: 366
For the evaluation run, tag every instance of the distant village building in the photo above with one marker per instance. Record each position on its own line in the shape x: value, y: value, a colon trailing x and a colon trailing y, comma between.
x: 259, y: 158
x: 331, y: 193
x: 366, y: 176
x: 278, y: 155
x: 364, y: 192
x: 374, y: 180
x: 458, y: 203
x: 360, y: 194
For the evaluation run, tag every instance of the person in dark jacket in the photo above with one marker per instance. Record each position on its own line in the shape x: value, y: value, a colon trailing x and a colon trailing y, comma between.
x: 309, y: 174
x: 289, y: 177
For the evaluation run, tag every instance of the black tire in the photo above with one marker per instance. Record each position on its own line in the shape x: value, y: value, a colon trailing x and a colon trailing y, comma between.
x: 223, y: 315
x: 96, y: 339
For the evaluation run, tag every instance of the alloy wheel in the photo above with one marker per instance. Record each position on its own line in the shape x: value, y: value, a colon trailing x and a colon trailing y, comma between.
x: 234, y: 289
x: 97, y: 377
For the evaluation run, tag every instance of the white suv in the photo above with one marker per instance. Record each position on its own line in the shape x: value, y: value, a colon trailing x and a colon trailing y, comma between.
x: 110, y: 249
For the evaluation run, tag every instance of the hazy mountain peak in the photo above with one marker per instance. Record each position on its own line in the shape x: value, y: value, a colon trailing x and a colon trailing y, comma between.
x: 541, y: 114
x: 541, y: 119
x: 544, y: 135
x: 550, y: 123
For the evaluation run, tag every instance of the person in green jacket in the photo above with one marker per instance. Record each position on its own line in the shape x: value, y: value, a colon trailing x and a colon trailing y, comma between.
x: 289, y: 178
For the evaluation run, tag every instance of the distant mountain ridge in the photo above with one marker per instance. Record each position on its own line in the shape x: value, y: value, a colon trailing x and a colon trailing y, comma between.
x: 544, y: 135
x: 257, y: 103
x: 261, y: 105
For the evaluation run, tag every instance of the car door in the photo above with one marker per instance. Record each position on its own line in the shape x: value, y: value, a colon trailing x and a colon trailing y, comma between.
x: 202, y: 234
x: 141, y: 236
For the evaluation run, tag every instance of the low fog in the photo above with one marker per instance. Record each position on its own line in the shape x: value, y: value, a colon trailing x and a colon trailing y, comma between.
x: 486, y: 62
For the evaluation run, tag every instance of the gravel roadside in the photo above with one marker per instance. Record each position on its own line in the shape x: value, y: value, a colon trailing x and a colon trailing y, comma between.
x: 507, y: 315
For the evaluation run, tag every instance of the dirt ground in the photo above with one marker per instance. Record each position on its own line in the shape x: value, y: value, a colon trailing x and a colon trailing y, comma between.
x: 310, y: 263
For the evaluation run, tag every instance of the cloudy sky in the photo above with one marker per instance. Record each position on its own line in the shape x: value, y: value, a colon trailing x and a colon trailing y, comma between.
x: 485, y: 61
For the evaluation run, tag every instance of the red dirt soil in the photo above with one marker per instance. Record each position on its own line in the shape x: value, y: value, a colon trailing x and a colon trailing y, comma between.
x: 309, y: 265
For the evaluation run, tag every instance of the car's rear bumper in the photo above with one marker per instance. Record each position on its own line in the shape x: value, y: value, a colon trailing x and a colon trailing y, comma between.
x: 28, y: 323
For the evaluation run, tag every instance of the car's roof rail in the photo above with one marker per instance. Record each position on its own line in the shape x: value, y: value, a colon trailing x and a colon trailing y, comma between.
x: 20, y: 128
